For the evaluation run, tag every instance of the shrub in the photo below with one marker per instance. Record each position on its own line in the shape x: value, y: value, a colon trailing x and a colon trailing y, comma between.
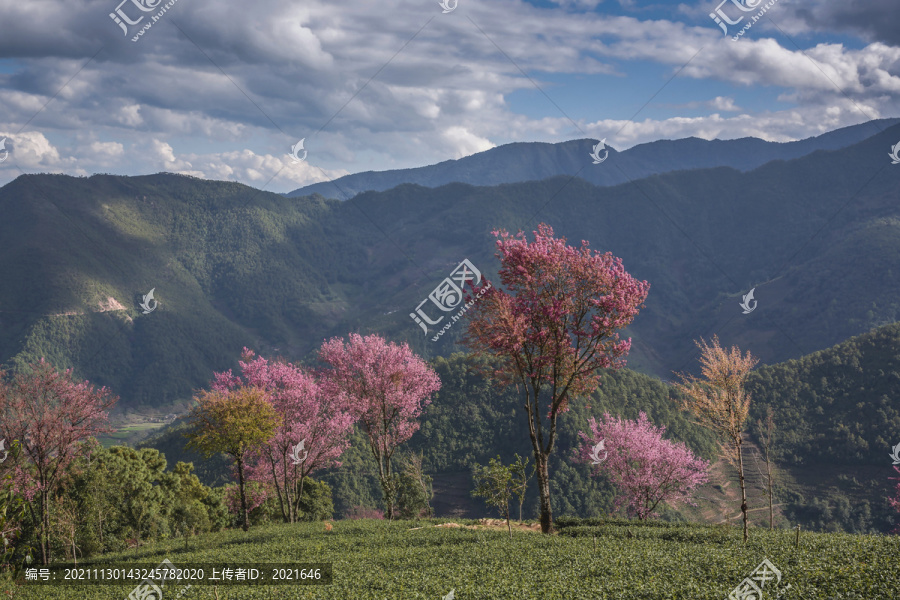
x: 364, y: 512
x: 216, y: 510
x: 414, y: 491
x: 315, y: 502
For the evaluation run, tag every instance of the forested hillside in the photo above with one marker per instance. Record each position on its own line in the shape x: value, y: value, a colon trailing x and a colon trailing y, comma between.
x: 839, y: 406
x: 233, y: 266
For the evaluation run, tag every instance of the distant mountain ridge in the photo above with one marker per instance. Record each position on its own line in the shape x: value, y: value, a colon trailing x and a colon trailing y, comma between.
x: 530, y: 161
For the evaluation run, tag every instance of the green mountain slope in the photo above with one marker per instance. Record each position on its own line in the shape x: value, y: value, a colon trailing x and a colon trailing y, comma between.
x: 838, y: 416
x: 233, y: 266
x: 839, y: 406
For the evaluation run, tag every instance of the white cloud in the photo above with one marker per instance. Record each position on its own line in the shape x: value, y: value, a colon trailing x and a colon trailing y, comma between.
x: 31, y: 150
x: 106, y: 150
x: 370, y: 88
x: 463, y: 142
x: 719, y: 103
x: 244, y: 166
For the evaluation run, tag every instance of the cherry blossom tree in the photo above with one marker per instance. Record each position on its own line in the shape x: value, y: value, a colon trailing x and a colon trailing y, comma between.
x: 387, y: 386
x: 315, y: 422
x: 648, y: 469
x: 551, y: 329
x: 46, y: 413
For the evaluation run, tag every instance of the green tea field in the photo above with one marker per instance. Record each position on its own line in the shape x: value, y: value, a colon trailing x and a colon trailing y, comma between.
x: 588, y: 560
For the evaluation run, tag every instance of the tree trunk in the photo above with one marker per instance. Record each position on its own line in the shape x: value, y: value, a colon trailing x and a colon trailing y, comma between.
x: 45, y: 527
x: 295, y: 509
x: 74, y: 555
x: 543, y: 478
x: 387, y: 483
x: 387, y: 486
x: 281, y: 502
x: 293, y: 497
x: 769, y: 485
x: 246, y: 513
x: 740, y: 457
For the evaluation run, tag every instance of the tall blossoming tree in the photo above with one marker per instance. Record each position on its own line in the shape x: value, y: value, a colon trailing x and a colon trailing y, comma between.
x: 312, y: 417
x: 552, y: 328
x: 721, y: 404
x: 46, y: 414
x: 647, y: 469
x: 388, y: 386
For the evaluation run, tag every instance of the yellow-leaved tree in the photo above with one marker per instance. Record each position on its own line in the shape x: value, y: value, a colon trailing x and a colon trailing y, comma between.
x: 233, y: 422
x: 720, y: 403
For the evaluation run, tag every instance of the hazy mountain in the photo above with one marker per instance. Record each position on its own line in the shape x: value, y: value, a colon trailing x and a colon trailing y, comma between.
x: 528, y: 161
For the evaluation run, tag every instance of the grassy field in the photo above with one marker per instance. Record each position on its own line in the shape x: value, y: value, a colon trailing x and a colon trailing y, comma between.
x: 129, y: 434
x: 376, y: 560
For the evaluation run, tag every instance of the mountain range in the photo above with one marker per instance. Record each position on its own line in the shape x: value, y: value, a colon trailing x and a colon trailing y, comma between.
x: 817, y: 238
x: 528, y: 161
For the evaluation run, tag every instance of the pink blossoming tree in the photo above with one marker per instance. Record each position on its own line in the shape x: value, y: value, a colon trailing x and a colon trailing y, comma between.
x: 45, y: 413
x: 552, y: 328
x: 388, y: 386
x: 255, y: 492
x: 647, y: 469
x: 322, y: 420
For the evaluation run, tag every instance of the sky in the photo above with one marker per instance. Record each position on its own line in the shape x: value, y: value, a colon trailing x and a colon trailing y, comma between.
x: 225, y: 90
